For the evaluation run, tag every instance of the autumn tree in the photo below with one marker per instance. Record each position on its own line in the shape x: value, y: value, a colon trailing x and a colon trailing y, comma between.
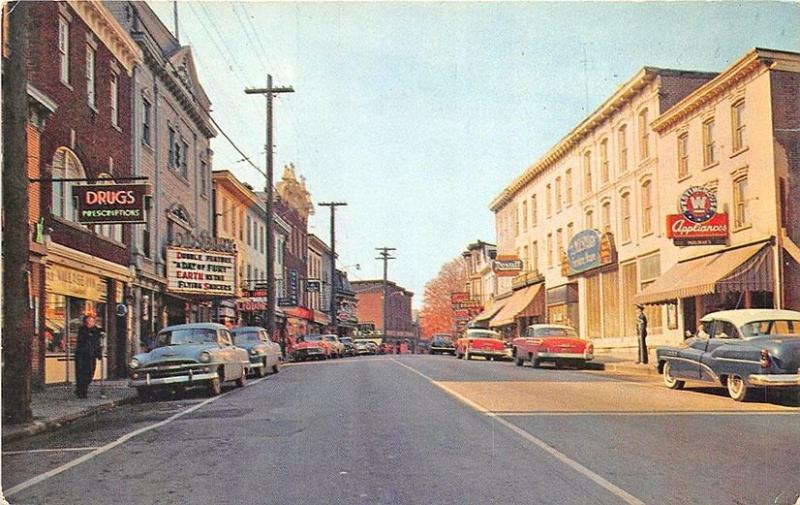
x: 436, y: 314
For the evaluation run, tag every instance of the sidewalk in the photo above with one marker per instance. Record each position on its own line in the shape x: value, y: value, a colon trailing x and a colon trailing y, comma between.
x: 623, y: 365
x: 57, y: 405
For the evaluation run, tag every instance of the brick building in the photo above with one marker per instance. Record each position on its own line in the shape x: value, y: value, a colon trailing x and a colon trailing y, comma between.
x: 369, y: 308
x: 81, y: 67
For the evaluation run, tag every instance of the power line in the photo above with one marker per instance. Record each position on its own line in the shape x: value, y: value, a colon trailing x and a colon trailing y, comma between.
x: 249, y: 38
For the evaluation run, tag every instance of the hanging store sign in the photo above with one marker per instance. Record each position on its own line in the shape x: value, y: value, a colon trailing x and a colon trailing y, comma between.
x: 201, y: 272
x: 251, y: 304
x: 698, y: 223
x: 111, y: 203
x: 459, y: 297
x: 588, y: 249
x: 507, y: 265
x: 313, y: 285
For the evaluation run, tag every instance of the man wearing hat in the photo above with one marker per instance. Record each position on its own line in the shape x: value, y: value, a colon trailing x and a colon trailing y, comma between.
x: 641, y: 331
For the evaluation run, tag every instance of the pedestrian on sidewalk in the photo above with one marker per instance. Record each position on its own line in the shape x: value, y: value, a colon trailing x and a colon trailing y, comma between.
x: 87, y: 351
x: 641, y: 332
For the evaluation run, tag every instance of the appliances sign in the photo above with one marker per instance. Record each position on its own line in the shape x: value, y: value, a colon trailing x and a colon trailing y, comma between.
x: 698, y: 223
x: 195, y: 271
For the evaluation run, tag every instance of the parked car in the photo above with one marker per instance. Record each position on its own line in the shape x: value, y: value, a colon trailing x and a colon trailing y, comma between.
x: 551, y: 343
x: 479, y: 342
x: 189, y: 355
x: 349, y: 346
x: 373, y: 347
x: 311, y: 347
x: 442, y: 344
x: 264, y: 353
x: 739, y: 350
x: 337, y: 347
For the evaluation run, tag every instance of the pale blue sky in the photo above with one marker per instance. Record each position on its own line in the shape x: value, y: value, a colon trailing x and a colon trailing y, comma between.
x: 418, y: 114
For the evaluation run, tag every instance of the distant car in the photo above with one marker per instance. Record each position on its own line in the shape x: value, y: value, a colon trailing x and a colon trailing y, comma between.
x: 441, y: 344
x: 264, y: 353
x: 373, y: 347
x: 737, y: 349
x: 311, y: 347
x: 349, y: 346
x: 337, y: 347
x: 551, y: 343
x: 189, y: 355
x: 479, y: 342
x: 361, y: 347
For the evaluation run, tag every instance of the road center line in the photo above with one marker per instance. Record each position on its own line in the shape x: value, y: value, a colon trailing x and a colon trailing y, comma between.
x: 597, y: 479
x: 121, y: 440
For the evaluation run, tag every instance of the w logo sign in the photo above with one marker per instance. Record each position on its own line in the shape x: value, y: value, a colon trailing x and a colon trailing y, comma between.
x: 698, y: 204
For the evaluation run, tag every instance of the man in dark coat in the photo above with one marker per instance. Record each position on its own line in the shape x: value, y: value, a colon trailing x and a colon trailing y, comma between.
x: 641, y: 332
x: 87, y: 351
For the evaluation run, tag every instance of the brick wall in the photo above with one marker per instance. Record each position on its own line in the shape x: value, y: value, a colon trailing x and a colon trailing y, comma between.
x: 675, y: 87
x: 369, y: 308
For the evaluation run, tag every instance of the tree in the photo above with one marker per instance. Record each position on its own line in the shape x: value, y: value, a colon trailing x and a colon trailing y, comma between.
x: 436, y: 314
x: 17, y: 324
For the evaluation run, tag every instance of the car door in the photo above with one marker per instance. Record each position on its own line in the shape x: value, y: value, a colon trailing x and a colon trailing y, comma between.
x: 224, y: 355
x: 272, y: 349
x: 722, y: 356
x: 691, y: 352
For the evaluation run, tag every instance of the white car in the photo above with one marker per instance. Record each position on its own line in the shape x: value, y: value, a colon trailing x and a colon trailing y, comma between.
x: 337, y: 347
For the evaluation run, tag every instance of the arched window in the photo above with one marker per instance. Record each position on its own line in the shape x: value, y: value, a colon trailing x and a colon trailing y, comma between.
x: 647, y: 207
x: 112, y: 231
x: 66, y: 165
x: 604, y: 165
x: 589, y: 221
x: 644, y: 136
x: 625, y: 211
x: 587, y: 172
x: 622, y: 142
x: 738, y: 124
x: 605, y: 215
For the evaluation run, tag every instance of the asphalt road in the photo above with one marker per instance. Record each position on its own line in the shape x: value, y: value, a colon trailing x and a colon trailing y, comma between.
x: 421, y: 429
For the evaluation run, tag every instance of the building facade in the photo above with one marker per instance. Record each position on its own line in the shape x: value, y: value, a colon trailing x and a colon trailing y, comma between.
x: 370, y: 309
x: 319, y: 274
x: 346, y: 305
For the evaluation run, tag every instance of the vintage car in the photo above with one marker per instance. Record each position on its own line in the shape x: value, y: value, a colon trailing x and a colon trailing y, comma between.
x: 349, y: 346
x: 737, y: 349
x: 551, y: 343
x: 188, y: 355
x: 311, y: 347
x: 479, y: 342
x: 442, y: 344
x: 264, y: 353
x: 363, y: 347
x: 337, y: 347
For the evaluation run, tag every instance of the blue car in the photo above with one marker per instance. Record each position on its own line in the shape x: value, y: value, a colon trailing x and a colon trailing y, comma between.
x: 265, y: 355
x: 737, y: 349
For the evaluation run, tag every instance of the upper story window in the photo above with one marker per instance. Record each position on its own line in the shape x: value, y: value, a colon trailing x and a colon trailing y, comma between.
x: 241, y: 224
x: 709, y: 143
x: 65, y: 166
x: 548, y: 200
x: 644, y: 136
x: 524, y: 215
x: 570, y: 231
x: 605, y: 216
x: 604, y: 165
x: 172, y: 156
x: 249, y: 231
x: 549, y: 250
x: 534, y: 211
x: 589, y: 219
x: 587, y: 172
x: 535, y: 256
x: 90, y: 71
x: 525, y: 259
x: 203, y: 178
x: 558, y: 193
x: 183, y: 161
x: 559, y: 242
x: 741, y: 216
x: 114, y: 99
x: 738, y: 124
x: 568, y: 186
x: 683, y: 155
x: 63, y: 50
x: 226, y: 215
x: 647, y: 207
x: 625, y: 210
x: 146, y: 121
x: 622, y: 142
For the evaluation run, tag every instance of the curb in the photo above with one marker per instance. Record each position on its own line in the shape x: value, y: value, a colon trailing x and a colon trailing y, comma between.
x: 648, y: 370
x: 53, y: 424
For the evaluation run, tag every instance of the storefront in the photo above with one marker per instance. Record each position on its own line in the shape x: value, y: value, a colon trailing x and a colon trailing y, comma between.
x: 524, y: 307
x: 483, y: 319
x: 562, y: 305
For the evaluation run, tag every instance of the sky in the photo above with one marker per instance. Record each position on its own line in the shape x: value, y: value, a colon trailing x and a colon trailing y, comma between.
x: 418, y: 114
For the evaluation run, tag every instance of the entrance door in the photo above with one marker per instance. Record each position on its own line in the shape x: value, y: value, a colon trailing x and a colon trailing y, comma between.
x: 689, y: 316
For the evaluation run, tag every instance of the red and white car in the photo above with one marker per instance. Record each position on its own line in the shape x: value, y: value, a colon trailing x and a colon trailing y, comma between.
x: 551, y: 343
x: 478, y: 342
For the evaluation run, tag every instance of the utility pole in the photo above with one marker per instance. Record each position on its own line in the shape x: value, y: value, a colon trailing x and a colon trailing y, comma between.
x: 175, y: 18
x: 17, y: 317
x: 384, y: 255
x: 269, y: 92
x: 333, y: 205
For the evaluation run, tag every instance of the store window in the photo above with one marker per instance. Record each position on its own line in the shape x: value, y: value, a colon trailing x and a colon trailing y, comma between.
x: 649, y: 271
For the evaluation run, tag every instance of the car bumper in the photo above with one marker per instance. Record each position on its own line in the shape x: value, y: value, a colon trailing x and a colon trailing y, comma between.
x: 191, y: 378
x: 566, y: 355
x: 444, y: 349
x: 488, y: 352
x: 775, y: 380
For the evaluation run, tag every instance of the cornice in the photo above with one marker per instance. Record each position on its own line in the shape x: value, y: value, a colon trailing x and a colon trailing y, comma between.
x: 102, y: 23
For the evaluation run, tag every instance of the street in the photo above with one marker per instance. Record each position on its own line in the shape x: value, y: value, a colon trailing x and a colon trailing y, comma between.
x: 420, y: 429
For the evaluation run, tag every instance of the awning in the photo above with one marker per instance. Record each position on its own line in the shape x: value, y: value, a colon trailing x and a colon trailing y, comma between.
x: 300, y: 313
x: 490, y: 311
x: 744, y: 269
x: 523, y: 303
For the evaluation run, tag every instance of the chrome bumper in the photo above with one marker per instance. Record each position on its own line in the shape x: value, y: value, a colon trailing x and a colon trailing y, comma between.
x: 487, y: 352
x: 178, y: 379
x: 566, y: 355
x: 775, y: 380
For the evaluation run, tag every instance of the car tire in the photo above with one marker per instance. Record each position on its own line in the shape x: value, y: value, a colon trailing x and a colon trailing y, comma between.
x: 275, y: 368
x: 737, y: 388
x: 262, y: 370
x: 241, y: 381
x: 214, y: 387
x: 670, y: 381
x: 467, y: 355
x: 535, y: 362
x: 518, y: 361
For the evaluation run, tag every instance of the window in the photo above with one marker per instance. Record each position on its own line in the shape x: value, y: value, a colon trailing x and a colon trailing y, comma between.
x: 226, y: 215
x: 709, y: 154
x: 183, y: 160
x: 171, y: 155
x: 90, y: 87
x: 249, y: 230
x: 65, y: 166
x: 249, y: 273
x: 63, y: 49
x: 589, y: 218
x: 605, y: 216
x: 525, y: 259
x: 524, y: 215
x: 739, y: 131
x: 241, y: 224
x: 568, y: 186
x: 559, y: 243
x: 548, y: 201
x: 644, y: 136
x: 587, y: 172
x: 604, y: 171
x: 622, y: 140
x: 146, y: 118
x: 549, y: 250
x: 114, y: 99
x: 569, y: 233
x: 647, y: 207
x: 203, y: 178
x: 683, y: 155
x: 534, y: 211
x: 625, y: 204
x: 741, y: 215
x: 535, y: 256
x: 558, y: 194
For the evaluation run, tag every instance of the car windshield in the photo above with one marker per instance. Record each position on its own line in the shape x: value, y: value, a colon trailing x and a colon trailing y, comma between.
x: 552, y: 331
x: 783, y: 327
x: 312, y: 338
x: 483, y: 334
x: 186, y: 336
x: 442, y: 340
x: 346, y: 340
x: 241, y: 337
x: 330, y: 338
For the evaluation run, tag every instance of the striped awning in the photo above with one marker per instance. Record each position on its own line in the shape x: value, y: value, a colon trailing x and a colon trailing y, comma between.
x: 522, y: 303
x: 746, y: 268
x: 490, y: 310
